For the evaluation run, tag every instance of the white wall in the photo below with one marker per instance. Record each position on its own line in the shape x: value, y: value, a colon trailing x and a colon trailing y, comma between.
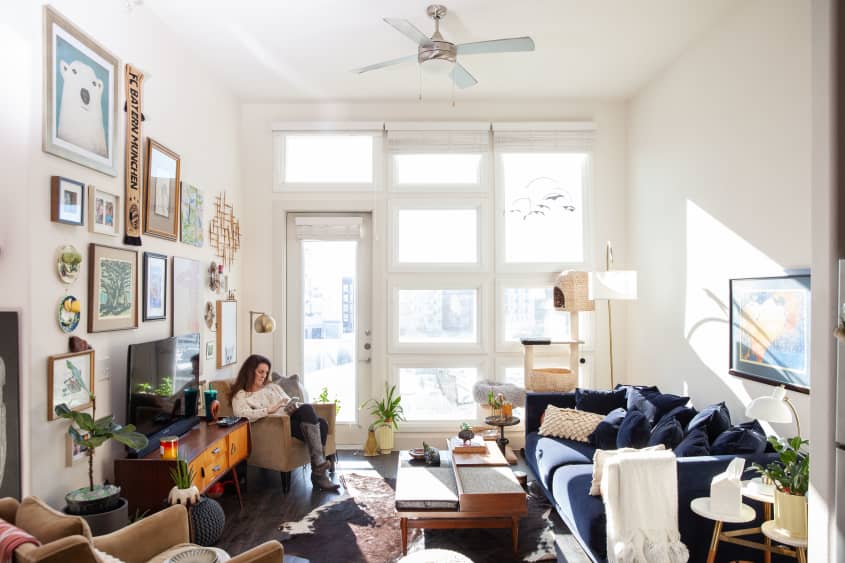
x: 188, y: 112
x: 720, y: 176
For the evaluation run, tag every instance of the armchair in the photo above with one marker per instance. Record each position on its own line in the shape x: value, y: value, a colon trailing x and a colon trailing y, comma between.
x: 62, y: 537
x: 272, y: 446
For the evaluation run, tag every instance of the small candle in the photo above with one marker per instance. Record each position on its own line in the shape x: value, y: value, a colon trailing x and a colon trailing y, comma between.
x: 169, y: 447
x: 507, y: 410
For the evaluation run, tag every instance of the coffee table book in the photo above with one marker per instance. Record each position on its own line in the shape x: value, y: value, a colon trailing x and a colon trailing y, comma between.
x: 475, y: 446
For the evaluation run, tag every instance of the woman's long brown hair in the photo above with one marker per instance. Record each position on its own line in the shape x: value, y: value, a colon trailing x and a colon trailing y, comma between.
x: 246, y: 375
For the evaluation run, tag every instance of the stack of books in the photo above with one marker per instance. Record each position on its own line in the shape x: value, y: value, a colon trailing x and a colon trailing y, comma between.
x: 474, y: 446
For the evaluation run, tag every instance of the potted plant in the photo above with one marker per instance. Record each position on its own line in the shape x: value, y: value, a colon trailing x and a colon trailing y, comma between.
x: 790, y: 474
x: 91, y: 433
x: 324, y: 398
x: 184, y: 491
x: 388, y: 412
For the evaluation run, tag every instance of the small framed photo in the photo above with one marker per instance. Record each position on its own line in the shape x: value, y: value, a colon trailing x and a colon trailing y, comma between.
x: 76, y: 453
x: 161, y: 217
x: 103, y: 212
x: 67, y: 201
x: 112, y: 288
x: 70, y: 380
x: 209, y: 350
x: 155, y: 286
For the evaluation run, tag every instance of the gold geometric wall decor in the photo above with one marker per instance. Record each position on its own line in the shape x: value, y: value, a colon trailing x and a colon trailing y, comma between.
x: 224, y: 231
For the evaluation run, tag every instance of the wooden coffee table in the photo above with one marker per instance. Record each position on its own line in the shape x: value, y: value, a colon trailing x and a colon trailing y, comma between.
x: 466, y: 491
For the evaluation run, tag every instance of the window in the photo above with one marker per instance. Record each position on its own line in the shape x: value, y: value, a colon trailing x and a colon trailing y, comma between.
x: 529, y: 313
x: 314, y: 160
x: 433, y: 160
x: 438, y: 316
x: 436, y: 169
x: 445, y: 236
x: 438, y: 392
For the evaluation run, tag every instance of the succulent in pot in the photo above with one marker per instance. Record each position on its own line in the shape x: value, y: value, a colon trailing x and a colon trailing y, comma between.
x: 184, y: 491
x: 466, y: 434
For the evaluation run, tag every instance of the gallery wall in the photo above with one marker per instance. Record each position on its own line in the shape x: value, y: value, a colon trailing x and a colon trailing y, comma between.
x: 189, y: 112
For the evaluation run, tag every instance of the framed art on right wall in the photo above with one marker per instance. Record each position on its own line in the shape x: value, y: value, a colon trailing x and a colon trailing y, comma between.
x: 770, y: 330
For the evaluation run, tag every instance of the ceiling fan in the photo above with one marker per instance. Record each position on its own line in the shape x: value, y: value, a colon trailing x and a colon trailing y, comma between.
x: 435, y: 51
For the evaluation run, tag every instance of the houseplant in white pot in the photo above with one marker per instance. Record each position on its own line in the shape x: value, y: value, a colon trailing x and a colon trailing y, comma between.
x: 184, y: 491
x: 388, y: 412
x: 790, y: 474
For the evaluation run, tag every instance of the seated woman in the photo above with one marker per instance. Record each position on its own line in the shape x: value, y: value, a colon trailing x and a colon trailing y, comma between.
x: 254, y: 396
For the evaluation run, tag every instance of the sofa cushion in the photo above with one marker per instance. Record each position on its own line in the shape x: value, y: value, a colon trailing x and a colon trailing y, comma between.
x: 714, y: 419
x: 48, y: 524
x: 604, y: 436
x: 634, y: 431
x: 569, y: 423
x: 682, y: 414
x: 745, y: 438
x: 600, y: 402
x: 583, y: 514
x: 668, y: 432
x: 695, y: 443
x: 552, y: 453
x: 654, y: 404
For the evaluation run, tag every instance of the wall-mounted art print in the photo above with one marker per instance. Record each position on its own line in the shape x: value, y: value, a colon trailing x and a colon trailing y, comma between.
x: 10, y: 435
x: 191, y: 215
x: 770, y: 330
x: 155, y: 286
x: 224, y: 231
x: 112, y: 288
x: 103, y: 212
x: 80, y: 96
x: 68, y: 313
x: 187, y: 296
x: 209, y: 350
x: 161, y: 213
x: 68, y: 263
x: 70, y: 381
x: 67, y: 201
x: 75, y: 453
x: 227, y: 333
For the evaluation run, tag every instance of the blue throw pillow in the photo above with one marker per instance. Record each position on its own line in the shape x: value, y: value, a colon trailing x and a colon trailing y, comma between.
x: 681, y: 414
x: 604, y: 436
x: 695, y: 443
x: 714, y: 420
x: 654, y: 404
x: 745, y: 438
x: 599, y: 402
x: 634, y: 431
x: 668, y: 432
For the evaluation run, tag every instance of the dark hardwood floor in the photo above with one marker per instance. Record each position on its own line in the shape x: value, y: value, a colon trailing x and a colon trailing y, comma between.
x: 266, y: 507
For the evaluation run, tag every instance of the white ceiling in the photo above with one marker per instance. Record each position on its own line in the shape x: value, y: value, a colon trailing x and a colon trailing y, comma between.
x: 283, y: 50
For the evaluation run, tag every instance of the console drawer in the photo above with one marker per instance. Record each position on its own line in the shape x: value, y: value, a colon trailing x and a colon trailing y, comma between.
x: 216, y: 453
x: 238, y: 445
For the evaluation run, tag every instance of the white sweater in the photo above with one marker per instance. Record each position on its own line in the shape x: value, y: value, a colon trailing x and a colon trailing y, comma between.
x: 254, y: 405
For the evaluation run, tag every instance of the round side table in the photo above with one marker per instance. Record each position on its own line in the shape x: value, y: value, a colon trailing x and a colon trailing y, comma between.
x: 755, y: 490
x: 800, y: 545
x: 501, y: 422
x: 701, y: 506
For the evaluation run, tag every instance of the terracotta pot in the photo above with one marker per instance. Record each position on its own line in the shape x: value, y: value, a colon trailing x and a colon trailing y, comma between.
x: 791, y: 514
x: 384, y: 434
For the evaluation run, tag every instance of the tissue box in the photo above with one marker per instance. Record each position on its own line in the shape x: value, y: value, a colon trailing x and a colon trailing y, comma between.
x: 726, y: 490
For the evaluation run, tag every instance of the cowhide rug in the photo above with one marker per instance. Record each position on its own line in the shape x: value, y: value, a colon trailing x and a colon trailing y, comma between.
x: 361, y: 526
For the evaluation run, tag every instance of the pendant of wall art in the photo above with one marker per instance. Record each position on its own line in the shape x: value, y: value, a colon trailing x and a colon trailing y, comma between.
x: 69, y: 263
x: 224, y: 231
x: 68, y: 314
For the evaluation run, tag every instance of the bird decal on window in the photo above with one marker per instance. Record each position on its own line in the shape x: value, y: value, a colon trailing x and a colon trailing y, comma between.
x: 544, y: 195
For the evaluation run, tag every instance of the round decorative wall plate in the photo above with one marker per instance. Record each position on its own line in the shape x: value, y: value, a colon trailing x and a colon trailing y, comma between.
x: 68, y: 313
x: 69, y: 263
x: 210, y: 316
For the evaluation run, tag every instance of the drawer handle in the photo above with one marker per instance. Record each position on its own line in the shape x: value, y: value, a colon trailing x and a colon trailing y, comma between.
x: 215, y: 451
x: 216, y: 468
x: 234, y: 448
x: 202, y: 472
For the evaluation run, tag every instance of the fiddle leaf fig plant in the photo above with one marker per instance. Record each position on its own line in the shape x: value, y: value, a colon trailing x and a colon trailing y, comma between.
x: 790, y: 473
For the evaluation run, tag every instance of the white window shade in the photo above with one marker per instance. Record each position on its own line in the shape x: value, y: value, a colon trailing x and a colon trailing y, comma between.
x: 437, y: 142
x: 543, y: 137
x: 328, y: 228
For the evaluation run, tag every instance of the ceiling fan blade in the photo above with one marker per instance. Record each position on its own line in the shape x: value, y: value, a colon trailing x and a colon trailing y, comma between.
x: 383, y: 64
x: 511, y: 45
x: 462, y: 77
x: 409, y: 30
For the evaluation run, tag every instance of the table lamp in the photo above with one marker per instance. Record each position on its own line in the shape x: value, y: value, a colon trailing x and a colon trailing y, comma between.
x: 774, y: 408
x: 263, y: 324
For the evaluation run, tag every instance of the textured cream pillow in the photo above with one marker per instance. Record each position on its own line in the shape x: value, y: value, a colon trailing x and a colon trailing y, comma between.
x: 569, y: 423
x: 601, y: 457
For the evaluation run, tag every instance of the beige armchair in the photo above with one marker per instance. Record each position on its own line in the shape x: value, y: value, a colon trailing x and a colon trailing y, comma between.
x: 272, y: 446
x: 63, y: 537
x: 159, y: 537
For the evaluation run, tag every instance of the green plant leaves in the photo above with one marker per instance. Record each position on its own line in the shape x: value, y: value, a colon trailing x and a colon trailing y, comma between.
x: 791, y: 471
x: 388, y: 410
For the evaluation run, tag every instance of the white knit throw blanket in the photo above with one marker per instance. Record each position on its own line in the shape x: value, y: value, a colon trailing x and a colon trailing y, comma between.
x: 640, y: 491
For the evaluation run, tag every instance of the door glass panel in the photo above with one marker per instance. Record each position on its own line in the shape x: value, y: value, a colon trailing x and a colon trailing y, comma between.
x: 330, y: 319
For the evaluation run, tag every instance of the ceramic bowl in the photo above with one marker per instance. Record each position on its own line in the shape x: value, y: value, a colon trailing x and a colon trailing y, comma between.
x: 417, y: 453
x: 195, y: 555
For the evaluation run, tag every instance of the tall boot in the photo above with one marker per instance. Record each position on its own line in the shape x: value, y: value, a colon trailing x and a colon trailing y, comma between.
x: 319, y: 464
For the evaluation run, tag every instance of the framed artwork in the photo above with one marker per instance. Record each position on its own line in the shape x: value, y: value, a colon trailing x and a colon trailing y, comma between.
x: 209, y: 350
x: 155, y: 286
x: 161, y: 214
x: 76, y: 453
x: 80, y: 96
x: 770, y: 330
x: 10, y: 414
x: 70, y: 381
x: 227, y: 333
x: 103, y: 212
x: 67, y: 201
x: 191, y: 215
x: 187, y: 296
x: 112, y: 288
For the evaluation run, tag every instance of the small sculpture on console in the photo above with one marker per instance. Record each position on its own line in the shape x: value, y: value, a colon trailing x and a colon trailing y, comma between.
x: 466, y: 434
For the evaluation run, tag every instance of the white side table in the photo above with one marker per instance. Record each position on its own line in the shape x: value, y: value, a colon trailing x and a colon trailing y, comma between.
x: 800, y: 545
x: 701, y: 506
x: 755, y: 490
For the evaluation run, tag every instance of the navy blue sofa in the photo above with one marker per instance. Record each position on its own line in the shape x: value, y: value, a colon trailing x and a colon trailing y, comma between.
x: 564, y: 471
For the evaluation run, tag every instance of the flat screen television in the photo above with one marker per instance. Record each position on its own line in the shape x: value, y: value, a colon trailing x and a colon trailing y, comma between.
x: 159, y: 373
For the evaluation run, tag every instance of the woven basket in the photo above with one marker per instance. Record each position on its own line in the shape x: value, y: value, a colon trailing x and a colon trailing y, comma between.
x: 551, y: 379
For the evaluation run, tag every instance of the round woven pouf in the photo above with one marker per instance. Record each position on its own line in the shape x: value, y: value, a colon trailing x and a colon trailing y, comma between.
x: 207, y: 521
x: 435, y: 556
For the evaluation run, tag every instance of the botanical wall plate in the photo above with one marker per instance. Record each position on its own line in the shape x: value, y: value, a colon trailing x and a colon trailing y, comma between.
x: 68, y: 313
x: 69, y: 263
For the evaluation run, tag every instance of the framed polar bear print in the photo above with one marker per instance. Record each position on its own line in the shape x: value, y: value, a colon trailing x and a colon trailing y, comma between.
x: 80, y: 96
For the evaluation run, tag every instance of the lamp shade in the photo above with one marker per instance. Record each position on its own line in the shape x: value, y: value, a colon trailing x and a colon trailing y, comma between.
x: 613, y: 285
x: 264, y: 323
x: 771, y: 408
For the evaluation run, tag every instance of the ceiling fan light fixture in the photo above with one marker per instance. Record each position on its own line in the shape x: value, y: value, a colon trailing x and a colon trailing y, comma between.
x: 437, y: 67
